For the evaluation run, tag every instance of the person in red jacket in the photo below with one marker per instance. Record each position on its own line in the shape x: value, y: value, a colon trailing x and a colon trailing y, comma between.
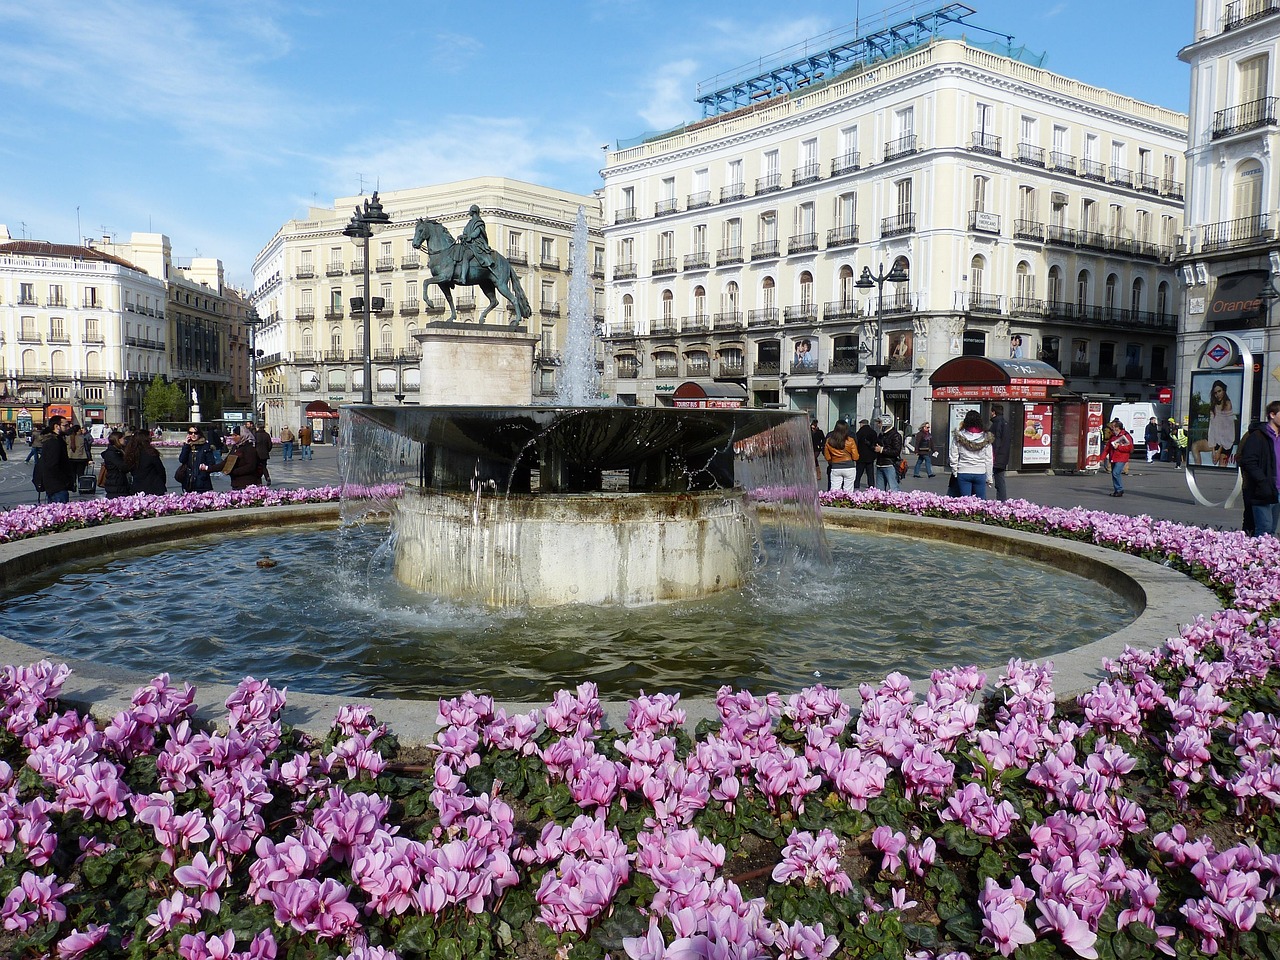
x: 1117, y: 450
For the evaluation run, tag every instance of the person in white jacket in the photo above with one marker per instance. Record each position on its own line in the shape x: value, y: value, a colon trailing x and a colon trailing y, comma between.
x: 971, y: 456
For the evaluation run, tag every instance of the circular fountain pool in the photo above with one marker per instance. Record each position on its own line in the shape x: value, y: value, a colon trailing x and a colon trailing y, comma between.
x: 210, y: 613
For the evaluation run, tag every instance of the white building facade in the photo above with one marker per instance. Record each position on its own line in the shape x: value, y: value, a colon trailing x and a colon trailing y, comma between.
x: 1230, y: 255
x: 1034, y: 215
x: 79, y: 328
x: 306, y: 276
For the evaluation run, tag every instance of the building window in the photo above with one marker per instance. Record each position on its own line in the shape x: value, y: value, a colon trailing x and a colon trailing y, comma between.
x: 668, y: 305
x: 806, y: 289
x: 977, y: 268
x: 1135, y: 295
x: 903, y: 191
x: 1247, y: 190
x: 1026, y: 282
x: 699, y: 301
x: 768, y: 294
x: 1055, y: 284
x: 730, y: 297
x: 1109, y: 292
x: 1082, y: 289
x: 980, y: 187
x: 628, y: 309
x: 1252, y: 79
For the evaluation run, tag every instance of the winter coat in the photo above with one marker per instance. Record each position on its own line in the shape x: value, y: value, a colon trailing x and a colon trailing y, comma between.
x: 841, y: 454
x: 866, y: 440
x: 924, y: 442
x: 117, y: 479
x: 54, y: 472
x: 1000, y: 442
x: 198, y: 481
x: 149, y: 476
x: 248, y: 467
x: 1257, y: 462
x: 891, y: 440
x: 972, y: 453
x: 1119, y: 447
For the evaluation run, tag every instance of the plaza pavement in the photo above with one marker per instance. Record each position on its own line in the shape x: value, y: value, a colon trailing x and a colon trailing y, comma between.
x: 1158, y: 490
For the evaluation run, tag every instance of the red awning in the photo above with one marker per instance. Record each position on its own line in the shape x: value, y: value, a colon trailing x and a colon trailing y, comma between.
x: 982, y: 378
x: 319, y: 410
x: 725, y: 395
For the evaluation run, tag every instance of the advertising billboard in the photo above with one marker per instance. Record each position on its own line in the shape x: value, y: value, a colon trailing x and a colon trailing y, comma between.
x: 1037, y: 434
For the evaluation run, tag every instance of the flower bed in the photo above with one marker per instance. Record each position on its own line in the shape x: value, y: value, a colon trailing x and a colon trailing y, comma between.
x: 1138, y: 820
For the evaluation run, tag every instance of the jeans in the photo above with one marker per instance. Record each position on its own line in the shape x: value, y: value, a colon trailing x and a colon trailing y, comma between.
x: 33, y: 452
x: 1117, y: 484
x: 62, y: 496
x: 972, y: 485
x: 887, y: 477
x: 306, y: 451
x: 288, y: 450
x: 867, y: 471
x: 1001, y: 492
x: 923, y: 460
x: 1265, y: 517
x: 844, y: 478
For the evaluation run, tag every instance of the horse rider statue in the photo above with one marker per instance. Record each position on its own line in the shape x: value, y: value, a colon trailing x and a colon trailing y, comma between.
x: 472, y: 246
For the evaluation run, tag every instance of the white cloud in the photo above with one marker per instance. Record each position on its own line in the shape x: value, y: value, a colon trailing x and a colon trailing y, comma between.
x: 668, y: 96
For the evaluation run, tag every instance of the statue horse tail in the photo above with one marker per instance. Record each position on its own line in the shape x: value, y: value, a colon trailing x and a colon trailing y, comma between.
x: 522, y: 302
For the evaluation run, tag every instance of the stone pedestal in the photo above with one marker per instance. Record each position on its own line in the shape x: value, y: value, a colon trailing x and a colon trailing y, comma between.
x: 468, y: 364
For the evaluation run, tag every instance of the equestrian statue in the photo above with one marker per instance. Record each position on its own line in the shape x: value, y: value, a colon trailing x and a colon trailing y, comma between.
x: 469, y: 262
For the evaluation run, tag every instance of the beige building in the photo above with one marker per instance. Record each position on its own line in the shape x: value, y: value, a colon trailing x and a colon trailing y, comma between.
x: 1231, y: 257
x: 1034, y: 215
x: 307, y: 275
x: 80, y: 328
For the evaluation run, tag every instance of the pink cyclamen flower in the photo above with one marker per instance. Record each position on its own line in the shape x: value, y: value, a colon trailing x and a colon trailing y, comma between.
x: 79, y: 942
x: 1004, y: 916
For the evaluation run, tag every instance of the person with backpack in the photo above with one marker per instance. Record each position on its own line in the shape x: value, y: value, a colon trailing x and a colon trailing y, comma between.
x: 1117, y: 449
x: 54, y: 474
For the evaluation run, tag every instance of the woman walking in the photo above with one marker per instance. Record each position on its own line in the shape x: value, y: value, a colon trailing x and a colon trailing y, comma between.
x: 114, y: 473
x: 144, y: 465
x: 972, y: 457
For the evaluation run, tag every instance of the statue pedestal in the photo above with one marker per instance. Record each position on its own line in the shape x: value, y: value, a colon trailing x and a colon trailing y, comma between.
x: 467, y: 364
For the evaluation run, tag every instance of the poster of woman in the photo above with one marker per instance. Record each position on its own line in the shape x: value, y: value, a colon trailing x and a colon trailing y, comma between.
x: 1214, y: 412
x: 804, y: 354
x: 900, y: 350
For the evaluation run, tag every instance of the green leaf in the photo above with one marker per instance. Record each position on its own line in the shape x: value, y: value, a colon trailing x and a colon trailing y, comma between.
x: 417, y: 936
x: 447, y: 949
x: 98, y: 870
x: 1141, y: 932
x: 921, y: 934
x: 623, y: 922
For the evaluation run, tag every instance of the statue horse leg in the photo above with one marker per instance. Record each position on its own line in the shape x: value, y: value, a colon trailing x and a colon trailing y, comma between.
x: 488, y: 288
x: 446, y: 287
x: 501, y: 285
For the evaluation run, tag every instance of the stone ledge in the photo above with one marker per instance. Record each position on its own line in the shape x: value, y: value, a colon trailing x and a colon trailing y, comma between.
x: 1167, y: 600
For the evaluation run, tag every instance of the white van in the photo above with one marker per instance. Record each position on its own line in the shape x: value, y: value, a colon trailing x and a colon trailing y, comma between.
x: 1135, y: 417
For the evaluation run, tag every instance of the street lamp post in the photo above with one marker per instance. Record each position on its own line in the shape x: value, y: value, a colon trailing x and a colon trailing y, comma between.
x: 361, y: 228
x: 879, y: 370
x: 253, y: 321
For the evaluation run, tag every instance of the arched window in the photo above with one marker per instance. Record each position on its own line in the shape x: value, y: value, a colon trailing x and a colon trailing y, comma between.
x: 1247, y: 190
x: 384, y: 336
x: 410, y: 333
x: 93, y: 363
x: 335, y: 338
x: 668, y: 304
x: 628, y: 309
x: 1055, y: 284
x: 1135, y: 296
x: 699, y: 301
x: 768, y: 295
x: 1162, y: 297
x: 1109, y: 292
x: 306, y: 339
x: 731, y: 297
x: 58, y: 361
x: 977, y: 268
x: 28, y: 362
x: 1082, y: 289
x: 806, y: 289
x: 1026, y: 284
x: 846, y: 286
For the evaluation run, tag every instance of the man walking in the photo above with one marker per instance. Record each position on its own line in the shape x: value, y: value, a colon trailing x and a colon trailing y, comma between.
x: 1152, y: 437
x: 304, y: 440
x: 1001, y: 444
x: 262, y: 444
x: 53, y: 472
x: 865, y: 438
x: 1259, y: 461
x: 1118, y: 448
x: 286, y: 443
x: 888, y: 450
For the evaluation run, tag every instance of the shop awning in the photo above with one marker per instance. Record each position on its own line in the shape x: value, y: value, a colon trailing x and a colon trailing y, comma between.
x: 713, y: 395
x: 982, y: 378
x: 1236, y: 296
x: 319, y: 410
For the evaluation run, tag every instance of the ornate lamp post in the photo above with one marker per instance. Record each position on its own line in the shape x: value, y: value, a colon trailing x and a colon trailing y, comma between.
x: 253, y: 322
x: 361, y: 228
x: 879, y: 370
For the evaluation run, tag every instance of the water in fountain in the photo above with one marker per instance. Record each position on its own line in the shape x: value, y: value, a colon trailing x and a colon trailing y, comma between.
x: 578, y: 379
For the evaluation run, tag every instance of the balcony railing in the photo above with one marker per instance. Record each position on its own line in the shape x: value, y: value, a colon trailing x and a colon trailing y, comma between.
x: 548, y: 262
x: 728, y: 255
x: 697, y: 261
x: 304, y: 313
x: 304, y: 273
x: 1028, y: 230
x: 698, y: 323
x: 335, y: 356
x: 978, y: 302
x: 1031, y: 155
x: 1091, y: 240
x: 333, y: 269
x: 763, y: 317
x: 1120, y: 176
x: 333, y: 313
x: 696, y: 201
x: 1171, y: 188
x: 1062, y: 162
x: 841, y: 310
x: 1246, y: 116
x: 899, y: 303
x: 1119, y: 244
x: 411, y: 261
x: 409, y: 307
x: 383, y: 264
x: 845, y: 236
x: 1026, y: 307
x: 847, y: 163
x: 1235, y: 233
x: 663, y: 371
x: 897, y: 225
x: 628, y: 371
x: 518, y: 256
x: 663, y: 326
x: 766, y: 368
x: 1148, y: 184
x: 800, y: 313
x: 94, y: 338
x: 732, y: 191
x: 549, y: 309
x: 624, y: 271
x: 802, y: 243
x: 664, y: 207
x: 808, y: 173
x: 1080, y: 368
x: 844, y: 365
x: 764, y: 249
x: 29, y: 336
x: 731, y: 369
x: 663, y: 266
x: 1059, y: 235
x: 1107, y: 371
x: 1093, y: 170
x: 984, y: 222
x: 432, y: 306
x: 729, y: 320
x: 769, y: 183
x: 622, y: 328
x: 625, y: 215
x: 981, y: 142
x: 1241, y: 12
x: 902, y: 147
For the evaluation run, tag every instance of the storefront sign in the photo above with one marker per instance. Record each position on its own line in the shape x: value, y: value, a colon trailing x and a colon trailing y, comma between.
x: 1093, y: 437
x: 987, y: 222
x: 986, y: 391
x: 665, y: 388
x: 1037, y: 435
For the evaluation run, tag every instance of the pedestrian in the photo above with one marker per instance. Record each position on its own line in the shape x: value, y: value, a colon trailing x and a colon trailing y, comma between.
x: 77, y: 449
x: 6, y: 444
x: 262, y: 445
x: 286, y: 444
x: 1151, y: 435
x: 1259, y: 462
x: 865, y: 438
x: 304, y: 441
x: 10, y: 435
x: 924, y: 450
x: 971, y: 455
x: 114, y: 475
x: 1167, y: 445
x: 888, y: 451
x: 146, y: 469
x: 818, y: 439
x: 1180, y: 440
x: 197, y: 461
x: 841, y: 453
x: 1001, y: 445
x: 246, y: 471
x: 53, y: 473
x: 34, y: 443
x: 1117, y: 449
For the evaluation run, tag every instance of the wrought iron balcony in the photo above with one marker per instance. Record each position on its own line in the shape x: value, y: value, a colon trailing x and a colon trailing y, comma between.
x: 384, y: 354
x: 1091, y: 240
x: 803, y: 368
x: 841, y: 310
x: 1171, y: 188
x: 89, y: 302
x: 728, y: 255
x: 94, y: 338
x: 663, y: 266
x: 844, y: 365
x: 846, y: 163
x: 663, y: 326
x: 763, y: 317
x: 1119, y: 244
x: 1120, y: 176
x: 696, y: 201
x: 622, y: 328
x: 1147, y: 250
x: 897, y: 225
x: 29, y: 336
x: 731, y: 369
x: 1060, y: 235
x: 412, y: 262
x: 1026, y: 307
x: 304, y: 356
x: 728, y: 320
x: 628, y: 371
x: 1080, y: 369
x: 1246, y: 116
x: 766, y: 368
x: 800, y: 313
x: 697, y: 261
x: 304, y: 273
x: 466, y: 301
x: 1147, y: 183
x: 802, y: 243
x: 1107, y: 371
x: 517, y: 256
x: 899, y: 303
x: 698, y: 323
x: 625, y: 215
x: 333, y: 313
x: 698, y: 367
x: 663, y: 371
x: 304, y: 313
x: 984, y: 222
x: 1093, y: 170
x: 1060, y: 310
x: 981, y: 142
x: 1028, y: 230
x: 972, y: 302
x: 409, y: 307
x: 765, y: 249
x: 1062, y: 162
x: 808, y: 173
x: 624, y: 271
x: 733, y: 191
x: 548, y: 262
x: 432, y: 306
x: 1031, y: 155
x: 383, y: 264
x: 334, y: 269
x: 335, y: 356
x: 1235, y: 233
x: 1240, y: 12
x: 842, y: 236
x: 664, y: 207
x: 902, y: 147
x: 769, y: 183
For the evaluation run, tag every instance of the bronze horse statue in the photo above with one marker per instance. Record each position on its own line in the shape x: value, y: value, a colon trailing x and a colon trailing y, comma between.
x: 441, y: 262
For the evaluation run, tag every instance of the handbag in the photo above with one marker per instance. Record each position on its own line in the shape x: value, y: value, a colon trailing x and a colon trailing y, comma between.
x: 902, y: 469
x: 181, y: 473
x: 102, y: 475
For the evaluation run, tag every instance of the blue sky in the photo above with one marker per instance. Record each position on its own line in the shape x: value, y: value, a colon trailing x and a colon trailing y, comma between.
x: 214, y: 121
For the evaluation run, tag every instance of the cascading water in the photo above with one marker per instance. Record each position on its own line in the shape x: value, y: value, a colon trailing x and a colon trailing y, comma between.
x: 578, y: 379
